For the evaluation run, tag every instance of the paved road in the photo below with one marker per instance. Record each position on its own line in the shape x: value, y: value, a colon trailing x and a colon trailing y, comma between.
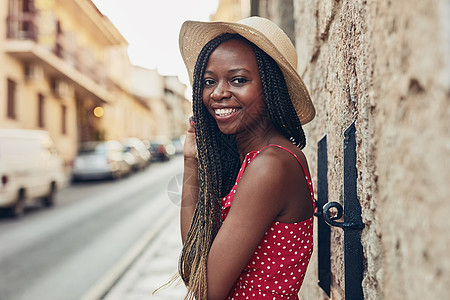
x: 148, y: 277
x: 60, y: 253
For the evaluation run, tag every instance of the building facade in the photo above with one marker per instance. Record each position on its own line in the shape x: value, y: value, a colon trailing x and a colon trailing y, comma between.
x: 383, y: 66
x: 64, y: 68
x: 179, y: 109
x: 165, y: 95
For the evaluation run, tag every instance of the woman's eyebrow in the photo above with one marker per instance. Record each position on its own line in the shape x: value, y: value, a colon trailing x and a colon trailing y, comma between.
x: 239, y: 70
x: 231, y: 71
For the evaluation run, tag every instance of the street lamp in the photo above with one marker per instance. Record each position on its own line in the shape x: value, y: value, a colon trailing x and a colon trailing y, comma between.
x: 98, y: 111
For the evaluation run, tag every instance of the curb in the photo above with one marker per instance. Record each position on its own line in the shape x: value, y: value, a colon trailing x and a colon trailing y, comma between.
x: 113, y: 275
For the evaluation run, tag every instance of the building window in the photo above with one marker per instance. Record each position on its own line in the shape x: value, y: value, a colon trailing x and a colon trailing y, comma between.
x: 41, y: 101
x: 287, y: 20
x: 11, y: 104
x: 254, y: 7
x: 63, y: 119
x: 28, y: 6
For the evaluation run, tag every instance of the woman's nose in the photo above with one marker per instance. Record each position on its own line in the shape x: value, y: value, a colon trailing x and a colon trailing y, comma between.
x: 221, y: 92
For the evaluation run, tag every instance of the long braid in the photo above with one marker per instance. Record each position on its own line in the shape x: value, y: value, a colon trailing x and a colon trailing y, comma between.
x: 219, y: 161
x: 278, y: 102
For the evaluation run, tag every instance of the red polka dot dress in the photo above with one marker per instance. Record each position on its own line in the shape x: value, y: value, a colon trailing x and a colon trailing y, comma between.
x: 278, y: 266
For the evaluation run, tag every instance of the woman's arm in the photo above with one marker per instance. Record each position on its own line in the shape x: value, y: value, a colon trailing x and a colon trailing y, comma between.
x: 189, y: 194
x: 270, y: 184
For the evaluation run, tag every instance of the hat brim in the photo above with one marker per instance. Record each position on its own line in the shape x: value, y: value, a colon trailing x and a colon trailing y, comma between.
x: 195, y: 34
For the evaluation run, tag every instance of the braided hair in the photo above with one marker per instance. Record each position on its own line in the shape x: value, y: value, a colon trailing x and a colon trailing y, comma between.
x: 219, y: 160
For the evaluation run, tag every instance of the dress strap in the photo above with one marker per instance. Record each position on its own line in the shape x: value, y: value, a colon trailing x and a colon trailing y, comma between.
x: 281, y: 147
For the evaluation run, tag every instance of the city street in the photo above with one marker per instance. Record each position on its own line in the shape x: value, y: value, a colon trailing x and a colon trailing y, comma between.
x: 63, y: 252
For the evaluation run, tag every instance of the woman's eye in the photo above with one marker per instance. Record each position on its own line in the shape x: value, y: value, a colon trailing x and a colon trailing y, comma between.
x: 239, y: 80
x: 208, y: 82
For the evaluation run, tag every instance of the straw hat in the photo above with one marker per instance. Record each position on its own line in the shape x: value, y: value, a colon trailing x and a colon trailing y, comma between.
x: 263, y: 33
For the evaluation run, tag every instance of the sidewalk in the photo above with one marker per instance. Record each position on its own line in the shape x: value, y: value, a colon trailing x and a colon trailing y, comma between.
x: 153, y: 268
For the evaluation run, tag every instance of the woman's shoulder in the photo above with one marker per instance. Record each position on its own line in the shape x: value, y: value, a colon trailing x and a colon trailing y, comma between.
x: 284, y: 154
x: 278, y: 161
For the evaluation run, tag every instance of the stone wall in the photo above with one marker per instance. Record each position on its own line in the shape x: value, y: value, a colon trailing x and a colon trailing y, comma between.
x: 386, y: 66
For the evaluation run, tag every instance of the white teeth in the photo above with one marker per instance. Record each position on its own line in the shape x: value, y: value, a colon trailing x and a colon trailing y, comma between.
x: 223, y: 112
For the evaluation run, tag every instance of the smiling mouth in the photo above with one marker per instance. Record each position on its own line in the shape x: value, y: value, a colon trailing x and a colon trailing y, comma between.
x: 223, y: 112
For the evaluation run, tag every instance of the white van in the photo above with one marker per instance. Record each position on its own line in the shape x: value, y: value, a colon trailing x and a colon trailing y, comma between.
x: 30, y: 169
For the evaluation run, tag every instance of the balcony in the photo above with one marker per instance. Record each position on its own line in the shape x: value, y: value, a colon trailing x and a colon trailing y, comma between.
x: 22, y: 27
x: 57, y: 51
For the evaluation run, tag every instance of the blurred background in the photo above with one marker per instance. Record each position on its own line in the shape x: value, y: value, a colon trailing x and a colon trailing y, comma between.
x: 94, y: 106
x: 94, y: 103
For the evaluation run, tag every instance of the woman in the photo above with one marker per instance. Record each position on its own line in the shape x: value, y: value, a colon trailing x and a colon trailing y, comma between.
x: 246, y: 235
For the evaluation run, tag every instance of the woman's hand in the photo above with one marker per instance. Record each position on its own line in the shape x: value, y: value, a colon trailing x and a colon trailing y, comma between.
x: 189, y: 195
x: 190, y: 145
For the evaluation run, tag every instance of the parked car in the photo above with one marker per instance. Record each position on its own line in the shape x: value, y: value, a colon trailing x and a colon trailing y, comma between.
x: 161, y: 149
x: 140, y: 153
x: 100, y: 160
x: 30, y: 169
x: 178, y: 144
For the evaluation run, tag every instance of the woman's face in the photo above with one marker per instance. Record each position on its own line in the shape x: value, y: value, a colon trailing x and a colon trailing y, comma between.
x: 232, y: 90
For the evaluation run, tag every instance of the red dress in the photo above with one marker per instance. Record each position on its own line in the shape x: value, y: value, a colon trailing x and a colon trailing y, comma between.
x: 277, y: 268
